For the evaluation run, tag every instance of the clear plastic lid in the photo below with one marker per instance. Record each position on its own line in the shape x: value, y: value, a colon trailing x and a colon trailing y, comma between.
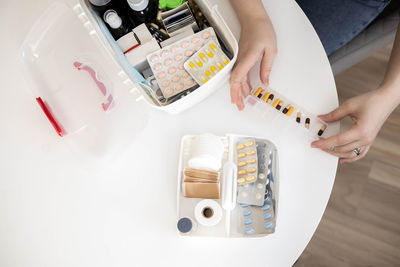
x: 75, y: 79
x: 138, y: 5
x: 112, y: 18
x: 99, y: 2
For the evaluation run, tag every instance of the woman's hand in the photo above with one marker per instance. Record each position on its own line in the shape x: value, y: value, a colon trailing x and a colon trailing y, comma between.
x: 368, y: 112
x: 257, y: 41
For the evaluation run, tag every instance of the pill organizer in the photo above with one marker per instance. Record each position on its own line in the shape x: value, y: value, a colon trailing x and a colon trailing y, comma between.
x: 268, y: 98
x: 206, y: 62
x: 168, y: 63
x: 70, y: 31
x: 231, y: 215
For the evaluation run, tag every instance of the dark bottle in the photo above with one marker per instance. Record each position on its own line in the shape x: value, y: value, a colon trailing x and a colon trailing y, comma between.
x: 143, y: 11
x: 118, y: 25
x: 100, y: 6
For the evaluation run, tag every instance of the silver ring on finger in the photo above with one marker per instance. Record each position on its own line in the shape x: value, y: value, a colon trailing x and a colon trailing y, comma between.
x: 332, y: 148
x: 357, y: 150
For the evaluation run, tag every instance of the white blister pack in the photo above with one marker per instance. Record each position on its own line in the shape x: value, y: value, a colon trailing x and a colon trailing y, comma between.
x: 168, y: 63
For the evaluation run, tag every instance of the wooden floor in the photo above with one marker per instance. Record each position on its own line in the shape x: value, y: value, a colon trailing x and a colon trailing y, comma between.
x: 361, y: 225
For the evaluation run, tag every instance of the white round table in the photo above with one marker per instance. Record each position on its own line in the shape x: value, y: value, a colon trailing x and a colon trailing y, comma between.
x: 56, y: 210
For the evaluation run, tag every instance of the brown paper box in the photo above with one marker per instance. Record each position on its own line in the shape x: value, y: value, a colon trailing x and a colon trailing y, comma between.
x: 198, y: 180
x: 202, y: 190
x: 210, y: 175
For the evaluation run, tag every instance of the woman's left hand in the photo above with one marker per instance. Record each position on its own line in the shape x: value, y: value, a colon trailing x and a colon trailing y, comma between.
x: 368, y: 112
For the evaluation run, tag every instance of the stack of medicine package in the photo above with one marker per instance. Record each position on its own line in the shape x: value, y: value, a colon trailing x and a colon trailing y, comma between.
x: 187, y: 63
x: 257, y: 165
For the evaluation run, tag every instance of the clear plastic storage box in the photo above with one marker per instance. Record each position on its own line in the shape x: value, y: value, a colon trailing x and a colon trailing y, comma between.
x: 85, y: 84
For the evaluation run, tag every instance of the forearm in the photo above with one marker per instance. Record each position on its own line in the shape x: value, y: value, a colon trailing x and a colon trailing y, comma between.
x: 249, y: 11
x: 391, y: 83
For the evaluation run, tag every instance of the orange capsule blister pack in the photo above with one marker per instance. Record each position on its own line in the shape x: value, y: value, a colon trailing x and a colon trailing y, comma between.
x: 286, y: 107
x: 206, y: 62
x: 246, y: 153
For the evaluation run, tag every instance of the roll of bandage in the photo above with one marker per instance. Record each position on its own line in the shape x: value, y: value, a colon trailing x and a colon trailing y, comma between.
x: 208, y: 212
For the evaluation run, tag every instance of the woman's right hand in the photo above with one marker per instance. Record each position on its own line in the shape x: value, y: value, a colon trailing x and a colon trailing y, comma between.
x: 257, y: 41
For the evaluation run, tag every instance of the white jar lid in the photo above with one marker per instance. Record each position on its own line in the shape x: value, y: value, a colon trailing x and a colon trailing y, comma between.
x: 138, y: 5
x: 112, y: 18
x: 99, y: 2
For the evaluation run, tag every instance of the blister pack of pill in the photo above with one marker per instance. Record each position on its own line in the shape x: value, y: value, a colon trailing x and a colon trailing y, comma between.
x: 206, y: 62
x: 258, y: 220
x: 253, y: 193
x: 167, y: 63
x: 288, y: 109
x: 246, y: 153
